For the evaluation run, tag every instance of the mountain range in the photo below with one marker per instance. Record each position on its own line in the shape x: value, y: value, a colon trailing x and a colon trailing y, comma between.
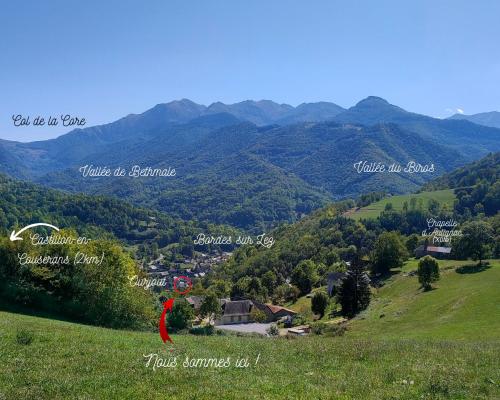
x: 491, y: 118
x: 252, y: 164
x: 470, y: 139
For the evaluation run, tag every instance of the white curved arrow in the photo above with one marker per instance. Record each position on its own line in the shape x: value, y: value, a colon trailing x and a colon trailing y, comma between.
x: 14, y: 235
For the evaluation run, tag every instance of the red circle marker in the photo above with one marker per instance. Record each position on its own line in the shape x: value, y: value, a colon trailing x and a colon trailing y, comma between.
x: 188, y: 282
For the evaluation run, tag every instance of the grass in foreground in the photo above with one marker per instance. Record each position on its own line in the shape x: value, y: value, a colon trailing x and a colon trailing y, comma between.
x: 442, y: 344
x: 66, y: 360
x: 373, y: 210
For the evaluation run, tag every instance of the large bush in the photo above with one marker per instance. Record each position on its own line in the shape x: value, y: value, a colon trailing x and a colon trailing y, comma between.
x: 97, y: 294
x: 181, y: 315
x: 428, y: 271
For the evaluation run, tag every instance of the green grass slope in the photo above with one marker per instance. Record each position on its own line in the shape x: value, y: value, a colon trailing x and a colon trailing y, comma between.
x: 464, y: 304
x: 373, y: 210
x: 68, y: 360
x: 412, y: 352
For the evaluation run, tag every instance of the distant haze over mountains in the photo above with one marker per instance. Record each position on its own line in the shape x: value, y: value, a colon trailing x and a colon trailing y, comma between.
x: 472, y: 140
x: 263, y: 112
x: 252, y: 164
x: 491, y: 118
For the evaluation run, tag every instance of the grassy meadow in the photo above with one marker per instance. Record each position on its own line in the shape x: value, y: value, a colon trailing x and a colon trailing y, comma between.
x: 463, y: 305
x: 444, y: 197
x: 68, y: 360
x: 442, y: 344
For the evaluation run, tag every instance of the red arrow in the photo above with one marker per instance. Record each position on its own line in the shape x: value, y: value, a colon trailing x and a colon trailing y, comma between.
x: 163, y: 328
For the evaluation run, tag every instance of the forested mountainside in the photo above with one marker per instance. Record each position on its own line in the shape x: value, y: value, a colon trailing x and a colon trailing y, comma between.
x: 230, y: 170
x: 180, y: 121
x: 485, y: 170
x: 471, y: 140
x: 477, y: 186
x: 170, y: 124
x: 23, y: 203
x: 256, y: 177
x: 163, y: 120
x: 321, y: 242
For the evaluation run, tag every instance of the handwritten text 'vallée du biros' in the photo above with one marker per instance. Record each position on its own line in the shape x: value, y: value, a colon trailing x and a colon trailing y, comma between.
x: 91, y: 171
x: 412, y: 167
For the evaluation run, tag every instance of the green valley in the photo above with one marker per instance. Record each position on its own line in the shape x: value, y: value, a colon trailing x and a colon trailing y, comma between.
x: 260, y: 200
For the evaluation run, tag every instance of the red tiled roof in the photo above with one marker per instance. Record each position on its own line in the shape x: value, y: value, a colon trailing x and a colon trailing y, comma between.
x: 275, y: 309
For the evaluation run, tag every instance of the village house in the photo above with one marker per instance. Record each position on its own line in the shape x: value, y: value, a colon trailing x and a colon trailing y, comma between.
x: 434, y: 251
x: 240, y: 311
x: 235, y: 312
x: 196, y: 301
x: 274, y: 313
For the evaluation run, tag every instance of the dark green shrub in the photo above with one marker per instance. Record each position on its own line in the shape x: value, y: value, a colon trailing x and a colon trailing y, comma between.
x: 273, y: 330
x: 202, y: 330
x: 181, y: 315
x: 318, y: 328
x: 24, y: 337
x: 319, y: 302
x: 335, y: 330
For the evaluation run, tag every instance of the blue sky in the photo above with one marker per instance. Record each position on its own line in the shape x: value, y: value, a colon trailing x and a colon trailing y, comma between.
x: 102, y: 60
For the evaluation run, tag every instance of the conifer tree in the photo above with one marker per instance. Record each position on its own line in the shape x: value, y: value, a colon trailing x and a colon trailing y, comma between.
x: 354, y: 291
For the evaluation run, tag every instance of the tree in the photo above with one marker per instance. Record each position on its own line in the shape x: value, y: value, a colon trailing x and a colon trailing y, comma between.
x: 258, y: 315
x: 434, y: 206
x: 389, y: 252
x: 492, y: 199
x: 180, y: 316
x: 256, y: 291
x: 186, y: 247
x: 428, y: 272
x: 476, y: 240
x: 319, y: 302
x: 100, y: 294
x: 412, y: 243
x: 240, y: 288
x: 354, y: 291
x: 305, y: 276
x: 284, y: 293
x: 269, y: 280
x: 221, y: 288
x: 392, y: 220
x: 210, y: 307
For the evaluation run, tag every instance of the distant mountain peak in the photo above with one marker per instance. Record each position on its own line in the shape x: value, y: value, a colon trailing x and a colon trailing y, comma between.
x: 183, y: 101
x: 373, y: 100
x: 374, y: 104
